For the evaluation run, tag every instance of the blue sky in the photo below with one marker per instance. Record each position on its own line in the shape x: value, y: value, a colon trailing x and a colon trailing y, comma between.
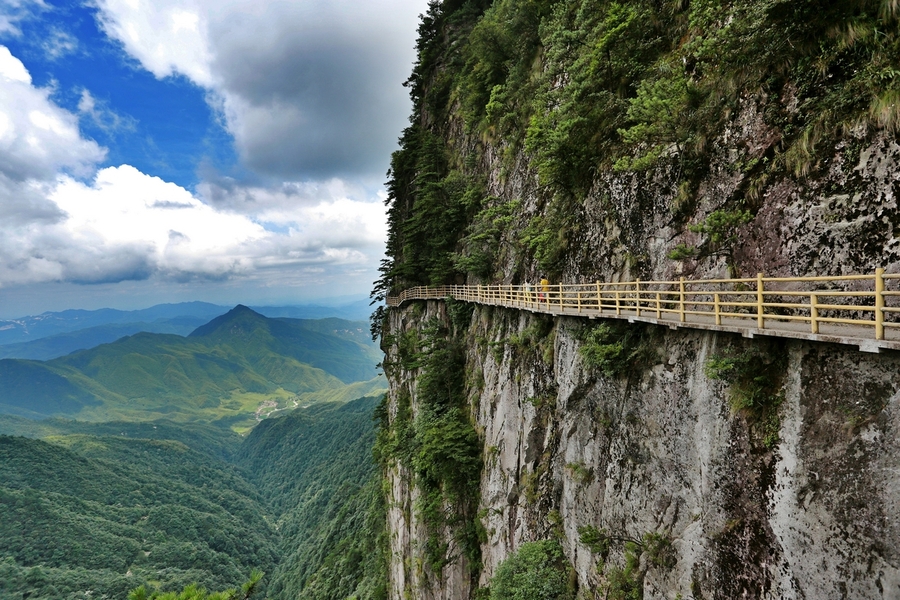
x: 163, y: 127
x: 228, y: 151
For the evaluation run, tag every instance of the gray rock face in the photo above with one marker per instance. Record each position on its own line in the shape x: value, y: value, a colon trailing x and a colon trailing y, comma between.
x: 659, y: 450
x: 810, y: 512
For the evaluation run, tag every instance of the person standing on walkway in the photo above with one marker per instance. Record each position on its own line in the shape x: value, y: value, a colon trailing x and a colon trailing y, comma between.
x: 527, y: 291
x: 545, y: 288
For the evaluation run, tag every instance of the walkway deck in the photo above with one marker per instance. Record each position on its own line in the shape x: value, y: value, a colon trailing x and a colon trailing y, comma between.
x: 858, y: 310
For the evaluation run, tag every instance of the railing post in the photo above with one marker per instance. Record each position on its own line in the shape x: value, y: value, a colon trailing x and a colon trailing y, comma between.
x: 681, y: 299
x: 716, y: 308
x: 599, y: 298
x: 578, y: 292
x: 879, y: 304
x: 658, y: 311
x: 637, y: 296
x: 560, y: 288
x: 760, y: 320
x: 814, y: 313
x: 618, y: 302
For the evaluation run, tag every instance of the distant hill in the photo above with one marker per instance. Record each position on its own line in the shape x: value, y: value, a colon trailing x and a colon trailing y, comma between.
x: 53, y: 323
x: 54, y: 346
x: 223, y: 370
x: 90, y: 328
x: 358, y: 310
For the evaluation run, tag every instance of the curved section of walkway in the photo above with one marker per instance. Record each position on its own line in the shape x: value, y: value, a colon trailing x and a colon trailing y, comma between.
x: 860, y: 310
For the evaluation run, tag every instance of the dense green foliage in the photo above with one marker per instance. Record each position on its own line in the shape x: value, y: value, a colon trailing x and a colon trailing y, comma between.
x: 440, y: 445
x: 536, y: 571
x: 183, y: 508
x: 223, y: 370
x: 591, y: 87
x: 214, y: 441
x: 315, y: 469
x: 195, y: 592
x: 109, y: 513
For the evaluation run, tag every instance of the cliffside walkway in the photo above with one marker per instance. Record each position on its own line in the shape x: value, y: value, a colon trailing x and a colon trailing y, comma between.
x: 860, y: 310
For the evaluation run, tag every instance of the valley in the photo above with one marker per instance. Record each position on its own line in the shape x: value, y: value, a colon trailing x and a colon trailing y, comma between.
x: 221, y: 372
x: 93, y: 510
x: 163, y: 460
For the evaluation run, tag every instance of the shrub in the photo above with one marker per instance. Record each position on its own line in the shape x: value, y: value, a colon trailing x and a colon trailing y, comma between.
x: 536, y: 571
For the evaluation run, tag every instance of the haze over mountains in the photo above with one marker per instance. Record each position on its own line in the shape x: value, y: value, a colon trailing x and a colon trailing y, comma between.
x: 223, y: 371
x: 54, y: 334
x: 160, y: 458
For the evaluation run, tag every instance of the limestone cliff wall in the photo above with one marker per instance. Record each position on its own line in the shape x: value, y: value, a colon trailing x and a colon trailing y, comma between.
x: 802, y: 501
x: 660, y: 450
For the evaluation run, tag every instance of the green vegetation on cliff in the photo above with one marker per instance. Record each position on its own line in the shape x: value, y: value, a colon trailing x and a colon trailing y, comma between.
x: 588, y: 90
x: 439, y: 445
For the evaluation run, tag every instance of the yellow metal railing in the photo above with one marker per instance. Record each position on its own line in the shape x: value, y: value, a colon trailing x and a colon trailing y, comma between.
x: 869, y: 301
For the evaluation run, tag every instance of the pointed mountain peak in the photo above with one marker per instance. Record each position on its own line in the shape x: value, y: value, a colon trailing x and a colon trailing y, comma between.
x: 239, y: 320
x: 240, y: 308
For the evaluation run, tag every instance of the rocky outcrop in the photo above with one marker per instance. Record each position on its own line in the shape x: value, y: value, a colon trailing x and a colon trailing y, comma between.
x: 665, y: 476
x: 812, y: 513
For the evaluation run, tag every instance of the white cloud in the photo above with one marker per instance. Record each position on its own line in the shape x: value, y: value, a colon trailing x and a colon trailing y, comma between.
x: 13, y: 11
x: 101, y: 115
x: 11, y: 68
x: 62, y: 220
x: 309, y: 89
x: 166, y: 36
x: 37, y: 138
x: 59, y: 43
x: 125, y: 225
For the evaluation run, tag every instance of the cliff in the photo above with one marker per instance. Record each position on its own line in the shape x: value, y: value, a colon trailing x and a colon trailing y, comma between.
x: 613, y: 140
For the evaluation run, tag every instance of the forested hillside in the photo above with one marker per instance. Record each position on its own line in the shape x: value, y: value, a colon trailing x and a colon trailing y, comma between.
x: 95, y: 510
x: 223, y: 371
x: 534, y: 118
x: 316, y: 470
x: 107, y: 514
x: 623, y: 141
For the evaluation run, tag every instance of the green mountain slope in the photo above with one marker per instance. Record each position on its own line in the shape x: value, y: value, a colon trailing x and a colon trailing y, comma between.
x: 102, y: 507
x: 315, y: 468
x: 224, y: 370
x: 216, y: 442
x: 306, y: 341
x: 107, y: 514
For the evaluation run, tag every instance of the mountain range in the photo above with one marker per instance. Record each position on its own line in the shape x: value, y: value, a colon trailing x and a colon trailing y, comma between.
x: 54, y: 334
x: 222, y: 371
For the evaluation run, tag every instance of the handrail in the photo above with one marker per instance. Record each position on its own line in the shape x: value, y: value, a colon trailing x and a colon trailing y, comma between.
x: 862, y: 304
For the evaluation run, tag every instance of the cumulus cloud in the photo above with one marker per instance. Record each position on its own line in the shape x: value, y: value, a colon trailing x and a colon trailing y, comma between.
x: 309, y: 89
x: 38, y: 139
x: 126, y: 225
x: 63, y: 220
